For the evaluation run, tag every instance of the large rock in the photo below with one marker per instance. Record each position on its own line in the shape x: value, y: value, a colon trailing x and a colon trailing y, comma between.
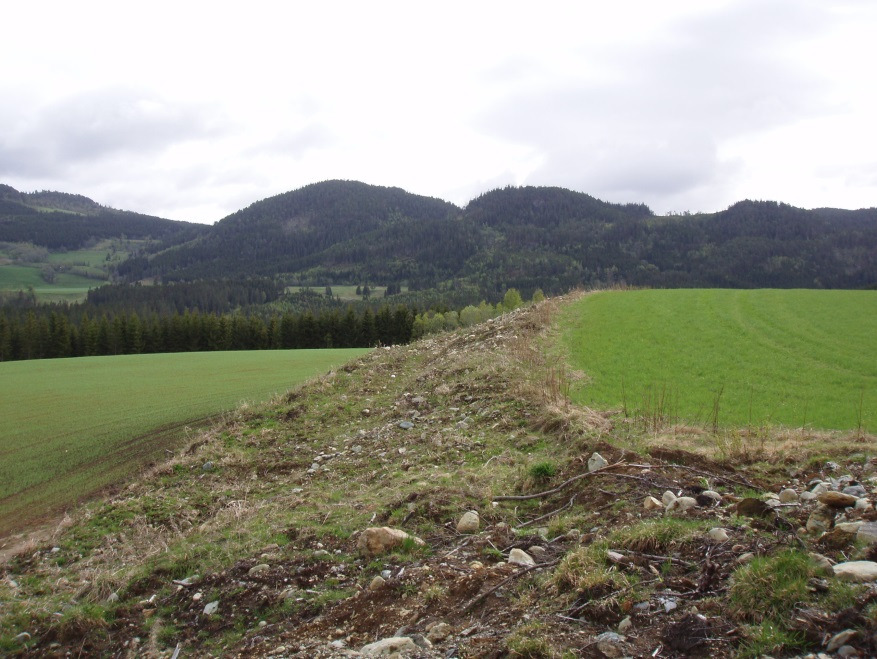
x: 388, y: 646
x: 381, y: 539
x: 596, y: 461
x: 520, y: 557
x: 681, y: 504
x: 837, y: 499
x: 820, y: 520
x: 788, y: 496
x: 868, y: 533
x: 857, y: 571
x: 468, y: 523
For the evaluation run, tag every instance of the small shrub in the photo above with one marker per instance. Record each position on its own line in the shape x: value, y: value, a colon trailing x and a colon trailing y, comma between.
x: 543, y: 471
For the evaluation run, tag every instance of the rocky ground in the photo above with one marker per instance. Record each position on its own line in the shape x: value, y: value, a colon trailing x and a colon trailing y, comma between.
x: 444, y: 499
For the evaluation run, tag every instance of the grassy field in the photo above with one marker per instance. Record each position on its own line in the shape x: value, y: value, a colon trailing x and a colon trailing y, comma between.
x: 66, y: 287
x: 86, y: 268
x: 72, y: 426
x: 796, y: 358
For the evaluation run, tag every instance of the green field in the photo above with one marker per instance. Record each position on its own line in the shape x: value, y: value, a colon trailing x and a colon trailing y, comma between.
x: 83, y: 269
x: 72, y: 426
x: 66, y: 287
x: 795, y: 358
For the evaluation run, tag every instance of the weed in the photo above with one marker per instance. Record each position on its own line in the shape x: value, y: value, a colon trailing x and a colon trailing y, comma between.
x: 770, y: 587
x: 543, y: 471
x: 530, y: 641
x: 768, y: 638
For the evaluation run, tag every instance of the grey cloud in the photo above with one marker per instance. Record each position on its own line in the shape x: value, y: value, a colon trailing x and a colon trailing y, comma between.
x: 653, y: 128
x: 92, y: 126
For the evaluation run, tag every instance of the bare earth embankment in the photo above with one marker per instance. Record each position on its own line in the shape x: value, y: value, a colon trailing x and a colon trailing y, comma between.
x: 671, y: 541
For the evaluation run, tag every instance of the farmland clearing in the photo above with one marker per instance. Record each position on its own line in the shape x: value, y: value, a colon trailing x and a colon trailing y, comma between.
x: 73, y: 426
x: 729, y: 358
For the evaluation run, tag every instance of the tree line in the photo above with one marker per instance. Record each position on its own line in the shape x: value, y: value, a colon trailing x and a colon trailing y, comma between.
x: 42, y: 333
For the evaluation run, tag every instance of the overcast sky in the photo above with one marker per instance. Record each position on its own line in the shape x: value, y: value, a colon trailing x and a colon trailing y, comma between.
x: 191, y: 110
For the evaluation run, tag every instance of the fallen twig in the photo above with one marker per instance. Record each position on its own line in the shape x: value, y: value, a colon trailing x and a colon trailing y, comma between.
x: 563, y: 485
x: 553, y: 512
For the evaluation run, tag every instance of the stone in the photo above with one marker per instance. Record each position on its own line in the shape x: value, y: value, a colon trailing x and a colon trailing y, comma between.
x: 820, y: 520
x: 537, y: 551
x: 23, y: 637
x: 839, y: 639
x: 406, y: 425
x: 807, y: 497
x: 207, y: 466
x: 377, y: 582
x: 625, y: 625
x: 610, y: 644
x: 388, y: 646
x: 469, y: 522
x: 822, y: 563
x: 438, y: 632
x: 847, y: 652
x: 651, y: 503
x: 596, y: 461
x: 857, y: 491
x: 788, y: 496
x: 381, y: 539
x: 258, y: 569
x: 856, y: 571
x: 667, y: 497
x: 867, y: 533
x: 837, y: 499
x: 711, y: 494
x: 211, y: 608
x: 849, y: 527
x: 520, y: 557
x: 745, y: 558
x: 682, y: 504
x: 718, y: 534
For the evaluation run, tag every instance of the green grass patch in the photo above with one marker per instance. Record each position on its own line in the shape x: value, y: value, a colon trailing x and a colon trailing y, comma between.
x: 67, y: 287
x: 72, y: 426
x: 796, y: 358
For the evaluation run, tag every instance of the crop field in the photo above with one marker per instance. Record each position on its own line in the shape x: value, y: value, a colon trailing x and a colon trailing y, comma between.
x: 73, y: 426
x: 730, y: 358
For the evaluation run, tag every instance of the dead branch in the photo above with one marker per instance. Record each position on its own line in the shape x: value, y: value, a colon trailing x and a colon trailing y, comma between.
x: 563, y: 485
x: 552, y: 513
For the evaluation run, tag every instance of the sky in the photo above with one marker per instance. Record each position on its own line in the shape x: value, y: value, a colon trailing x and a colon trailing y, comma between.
x: 191, y: 110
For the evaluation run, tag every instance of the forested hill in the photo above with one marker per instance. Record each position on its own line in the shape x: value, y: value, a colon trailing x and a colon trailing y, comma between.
x: 334, y: 224
x: 346, y: 232
x: 57, y: 220
x: 342, y: 232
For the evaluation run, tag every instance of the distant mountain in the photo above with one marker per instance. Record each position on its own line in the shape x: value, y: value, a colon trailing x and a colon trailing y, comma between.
x: 347, y: 232
x: 57, y: 220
